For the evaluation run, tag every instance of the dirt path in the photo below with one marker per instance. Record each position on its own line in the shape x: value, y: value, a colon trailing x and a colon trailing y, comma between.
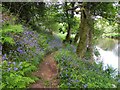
x: 47, y: 73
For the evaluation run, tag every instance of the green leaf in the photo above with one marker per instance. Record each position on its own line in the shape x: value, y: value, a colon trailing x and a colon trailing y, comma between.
x: 8, y: 39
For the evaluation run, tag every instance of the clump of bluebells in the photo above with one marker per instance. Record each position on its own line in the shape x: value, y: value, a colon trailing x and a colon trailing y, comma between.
x: 25, y: 52
x: 54, y: 43
x: 19, y: 58
x: 26, y: 47
x: 75, y: 73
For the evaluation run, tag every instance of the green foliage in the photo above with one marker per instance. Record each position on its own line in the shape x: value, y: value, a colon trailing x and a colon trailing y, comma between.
x: 75, y: 73
x: 102, y: 28
x: 24, y: 59
x: 99, y: 28
x: 62, y: 36
x: 112, y: 35
x: 118, y: 79
x: 7, y: 30
x: 15, y: 75
x: 106, y: 10
x: 17, y: 81
x: 49, y: 20
x: 75, y: 25
x: 43, y: 42
x: 38, y: 59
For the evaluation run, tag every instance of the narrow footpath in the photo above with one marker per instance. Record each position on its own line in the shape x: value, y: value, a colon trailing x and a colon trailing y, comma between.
x: 47, y: 73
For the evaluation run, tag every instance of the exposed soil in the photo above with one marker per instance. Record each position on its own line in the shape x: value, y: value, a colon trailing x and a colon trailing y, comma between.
x: 47, y: 73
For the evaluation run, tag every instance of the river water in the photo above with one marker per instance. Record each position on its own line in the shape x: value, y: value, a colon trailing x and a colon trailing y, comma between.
x: 109, y: 53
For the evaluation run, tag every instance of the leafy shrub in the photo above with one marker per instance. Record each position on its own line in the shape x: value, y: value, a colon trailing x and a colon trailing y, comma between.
x: 75, y: 73
x: 7, y: 30
x: 112, y: 35
x: 118, y: 79
x: 15, y: 75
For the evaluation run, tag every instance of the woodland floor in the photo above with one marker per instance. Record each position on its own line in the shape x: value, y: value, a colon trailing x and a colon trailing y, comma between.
x: 47, y: 73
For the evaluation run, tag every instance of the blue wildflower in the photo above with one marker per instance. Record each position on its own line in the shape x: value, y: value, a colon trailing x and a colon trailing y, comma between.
x: 4, y: 57
x: 15, y: 68
x: 77, y: 80
x: 9, y: 69
x: 20, y: 50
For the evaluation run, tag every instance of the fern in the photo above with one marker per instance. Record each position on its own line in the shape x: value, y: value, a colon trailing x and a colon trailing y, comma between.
x: 9, y: 29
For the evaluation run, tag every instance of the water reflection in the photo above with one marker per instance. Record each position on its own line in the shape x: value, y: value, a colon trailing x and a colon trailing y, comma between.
x: 108, y: 58
x: 109, y: 52
x: 107, y: 43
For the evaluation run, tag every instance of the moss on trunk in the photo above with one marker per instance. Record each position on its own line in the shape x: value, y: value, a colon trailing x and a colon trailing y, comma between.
x: 82, y: 45
x: 85, y: 34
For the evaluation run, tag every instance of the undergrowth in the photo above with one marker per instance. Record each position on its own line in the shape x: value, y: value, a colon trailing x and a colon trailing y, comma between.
x: 75, y: 73
x: 22, y: 51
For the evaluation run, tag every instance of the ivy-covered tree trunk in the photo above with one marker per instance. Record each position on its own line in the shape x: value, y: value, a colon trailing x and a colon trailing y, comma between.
x: 82, y: 45
x: 90, y: 39
x: 85, y: 34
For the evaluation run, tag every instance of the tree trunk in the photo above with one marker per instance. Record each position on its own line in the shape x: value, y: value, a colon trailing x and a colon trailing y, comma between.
x: 68, y: 33
x: 90, y: 38
x: 69, y: 24
x: 85, y: 34
x: 82, y: 45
